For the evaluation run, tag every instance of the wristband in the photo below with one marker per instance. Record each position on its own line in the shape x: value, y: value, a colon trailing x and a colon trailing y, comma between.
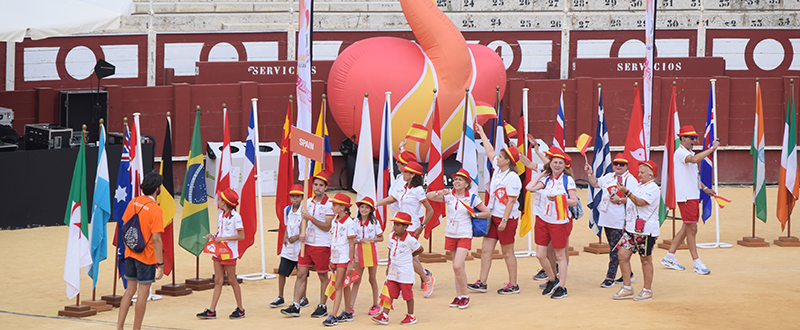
x: 628, y: 193
x: 160, y: 264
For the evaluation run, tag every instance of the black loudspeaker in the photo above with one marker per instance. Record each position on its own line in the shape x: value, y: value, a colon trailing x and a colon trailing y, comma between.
x: 103, y: 69
x: 84, y: 107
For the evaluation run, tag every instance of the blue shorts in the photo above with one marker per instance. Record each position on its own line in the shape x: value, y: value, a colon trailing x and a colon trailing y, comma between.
x: 136, y: 270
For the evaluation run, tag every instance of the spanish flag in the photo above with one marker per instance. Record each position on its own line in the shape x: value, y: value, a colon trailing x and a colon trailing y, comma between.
x: 722, y: 201
x: 417, y: 133
x: 561, y: 207
x: 330, y: 290
x: 386, y: 300
x: 368, y: 254
x: 511, y: 132
x: 485, y: 112
x: 582, y: 143
x: 470, y: 210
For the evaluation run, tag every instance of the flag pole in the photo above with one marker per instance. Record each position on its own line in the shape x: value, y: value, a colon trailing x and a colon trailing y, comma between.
x: 530, y: 252
x: 716, y: 244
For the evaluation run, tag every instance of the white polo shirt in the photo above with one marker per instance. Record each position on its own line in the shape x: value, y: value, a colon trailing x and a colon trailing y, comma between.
x: 545, y: 208
x: 341, y: 231
x: 611, y: 214
x: 459, y: 221
x: 410, y: 200
x: 651, y: 194
x: 227, y: 227
x: 687, y: 181
x: 314, y: 235
x: 292, y: 221
x: 367, y: 230
x: 401, y: 267
x: 397, y: 185
x: 504, y: 184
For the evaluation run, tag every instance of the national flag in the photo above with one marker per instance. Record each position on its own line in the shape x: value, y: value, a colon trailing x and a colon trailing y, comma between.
x: 485, y: 112
x: 166, y: 200
x: 285, y: 177
x: 757, y: 150
x: 384, y: 161
x: 194, y: 223
x: 468, y: 207
x: 788, y: 189
x: 304, y: 97
x: 247, y: 208
x: 225, y: 160
x: 707, y: 165
x: 671, y: 142
x: 364, y: 177
x: 325, y: 168
x: 467, y: 153
x: 385, y: 297
x: 559, y: 137
x: 219, y: 249
x: 525, y: 218
x: 510, y: 130
x: 561, y: 207
x: 634, y: 143
x: 101, y: 210
x: 367, y: 254
x: 330, y: 290
x: 601, y: 164
x: 137, y: 169
x: 721, y: 201
x: 77, y: 218
x: 122, y: 196
x: 582, y: 143
x: 435, y: 175
x: 418, y: 133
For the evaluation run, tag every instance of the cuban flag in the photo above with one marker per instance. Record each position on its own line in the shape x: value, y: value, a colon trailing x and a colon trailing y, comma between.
x: 707, y: 165
x: 601, y: 164
x: 559, y: 137
x: 123, y: 193
x: 385, y: 160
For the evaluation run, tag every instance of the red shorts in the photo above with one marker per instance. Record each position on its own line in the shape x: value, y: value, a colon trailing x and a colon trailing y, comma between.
x: 318, y: 257
x: 344, y: 265
x: 545, y: 233
x: 451, y: 244
x: 690, y: 210
x: 507, y: 235
x: 228, y: 262
x: 395, y: 288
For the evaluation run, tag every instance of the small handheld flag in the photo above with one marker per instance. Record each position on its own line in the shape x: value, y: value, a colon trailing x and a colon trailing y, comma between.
x: 417, y: 133
x: 218, y: 249
x: 582, y: 143
x: 511, y: 132
x: 561, y: 207
x: 722, y: 201
x: 385, y: 298
x: 367, y: 254
x: 485, y: 112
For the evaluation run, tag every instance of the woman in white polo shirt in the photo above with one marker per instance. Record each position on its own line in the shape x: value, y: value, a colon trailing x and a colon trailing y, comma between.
x: 461, y: 205
x: 412, y: 200
x: 504, y: 206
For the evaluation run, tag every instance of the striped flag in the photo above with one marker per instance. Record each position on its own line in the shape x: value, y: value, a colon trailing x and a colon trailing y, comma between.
x: 485, y: 112
x: 194, y: 220
x: 385, y: 161
x: 325, y: 168
x: 385, y: 297
x: 418, y: 133
x: 601, y: 164
x: 467, y: 154
x: 510, y: 130
x: 248, y: 194
x: 561, y: 207
x: 136, y: 167
x: 166, y: 200
x: 583, y: 142
x: 707, y: 165
x: 367, y: 254
x: 225, y: 162
x: 525, y: 217
x: 672, y: 141
x: 788, y: 189
x: 435, y: 176
x: 122, y: 196
x: 76, y: 218
x: 722, y: 201
x: 101, y: 210
x: 757, y: 150
x: 559, y: 137
x: 364, y: 177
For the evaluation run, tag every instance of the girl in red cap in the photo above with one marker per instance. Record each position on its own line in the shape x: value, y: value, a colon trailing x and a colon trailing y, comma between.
x: 504, y: 206
x: 370, y: 233
x: 555, y: 188
x: 461, y: 205
x: 343, y: 238
x: 413, y: 201
x: 229, y: 230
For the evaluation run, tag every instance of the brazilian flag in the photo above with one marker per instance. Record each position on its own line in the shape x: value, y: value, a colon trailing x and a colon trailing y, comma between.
x: 194, y: 224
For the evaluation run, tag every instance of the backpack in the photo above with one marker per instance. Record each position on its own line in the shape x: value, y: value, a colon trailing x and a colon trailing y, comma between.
x: 480, y: 226
x: 132, y: 233
x: 575, y: 212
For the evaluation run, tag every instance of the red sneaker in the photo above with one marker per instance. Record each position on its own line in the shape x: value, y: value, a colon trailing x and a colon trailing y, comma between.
x: 381, y: 318
x: 410, y: 319
x: 463, y: 303
x: 455, y: 302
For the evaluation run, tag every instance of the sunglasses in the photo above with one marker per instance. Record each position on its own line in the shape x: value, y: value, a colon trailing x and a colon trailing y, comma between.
x: 619, y: 164
x: 691, y: 137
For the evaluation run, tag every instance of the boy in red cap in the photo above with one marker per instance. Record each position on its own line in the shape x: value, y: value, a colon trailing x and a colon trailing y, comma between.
x: 687, y: 194
x: 229, y: 230
x: 291, y: 242
x: 403, y: 247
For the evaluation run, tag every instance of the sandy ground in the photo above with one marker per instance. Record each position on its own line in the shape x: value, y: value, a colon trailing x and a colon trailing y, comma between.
x: 748, y: 287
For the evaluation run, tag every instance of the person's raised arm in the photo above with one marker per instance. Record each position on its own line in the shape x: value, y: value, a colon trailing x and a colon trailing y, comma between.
x: 698, y: 157
x: 487, y: 146
x: 525, y: 161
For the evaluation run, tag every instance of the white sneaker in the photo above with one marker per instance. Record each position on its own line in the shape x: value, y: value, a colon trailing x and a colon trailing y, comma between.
x: 701, y: 268
x: 671, y: 263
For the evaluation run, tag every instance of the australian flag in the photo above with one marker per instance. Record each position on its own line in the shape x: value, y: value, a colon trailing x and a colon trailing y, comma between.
x: 123, y: 193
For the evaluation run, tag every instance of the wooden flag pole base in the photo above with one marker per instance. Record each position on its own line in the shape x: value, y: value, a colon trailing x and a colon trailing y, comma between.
x: 597, y: 248
x: 572, y: 251
x: 77, y: 311
x: 667, y: 243
x: 752, y: 242
x: 97, y: 305
x: 495, y: 254
x: 174, y: 290
x: 431, y: 257
x: 112, y: 299
x: 787, y: 241
x: 199, y: 284
x: 225, y: 279
x: 449, y: 256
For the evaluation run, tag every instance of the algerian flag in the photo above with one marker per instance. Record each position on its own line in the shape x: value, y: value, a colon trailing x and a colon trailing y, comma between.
x: 77, y: 218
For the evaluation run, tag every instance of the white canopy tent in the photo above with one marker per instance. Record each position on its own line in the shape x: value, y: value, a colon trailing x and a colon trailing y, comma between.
x: 40, y: 19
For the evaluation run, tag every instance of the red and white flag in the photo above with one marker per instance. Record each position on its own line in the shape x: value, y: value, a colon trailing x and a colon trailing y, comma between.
x: 248, y: 195
x: 435, y: 169
x: 634, y: 143
x: 385, y: 160
x: 224, y: 164
x: 136, y: 169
